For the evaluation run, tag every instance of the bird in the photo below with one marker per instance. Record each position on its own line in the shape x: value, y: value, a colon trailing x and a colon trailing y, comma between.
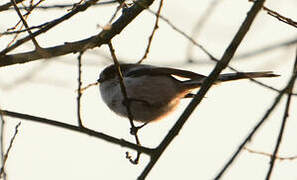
x: 154, y: 92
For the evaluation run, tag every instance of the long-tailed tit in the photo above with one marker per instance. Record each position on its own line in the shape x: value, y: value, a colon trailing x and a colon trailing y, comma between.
x: 153, y: 92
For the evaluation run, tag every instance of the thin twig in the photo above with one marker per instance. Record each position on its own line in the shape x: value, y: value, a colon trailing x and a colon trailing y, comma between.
x: 127, y: 102
x: 285, y: 117
x: 2, y: 124
x: 156, y: 26
x: 279, y: 16
x: 9, y: 148
x: 121, y: 82
x: 222, y: 64
x: 174, y: 27
x: 80, y: 124
x: 57, y: 6
x: 254, y: 52
x: 200, y: 24
x: 89, y: 85
x: 120, y: 6
x: 24, y: 30
x: 281, y: 158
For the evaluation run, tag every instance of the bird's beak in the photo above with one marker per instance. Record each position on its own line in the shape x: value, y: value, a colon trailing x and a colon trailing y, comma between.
x: 100, y: 80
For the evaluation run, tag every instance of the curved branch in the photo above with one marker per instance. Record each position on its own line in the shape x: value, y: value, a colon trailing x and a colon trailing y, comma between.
x: 83, y: 130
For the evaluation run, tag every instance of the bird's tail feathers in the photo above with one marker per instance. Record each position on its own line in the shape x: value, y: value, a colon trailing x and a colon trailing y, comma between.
x: 196, y: 83
x: 246, y: 75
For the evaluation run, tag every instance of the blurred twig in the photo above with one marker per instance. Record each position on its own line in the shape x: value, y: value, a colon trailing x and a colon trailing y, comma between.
x: 199, y: 25
x: 9, y: 148
x: 28, y: 76
x: 247, y: 55
x: 281, y: 158
x: 2, y: 124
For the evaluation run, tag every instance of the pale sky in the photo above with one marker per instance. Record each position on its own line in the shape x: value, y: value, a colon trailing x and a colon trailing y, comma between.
x: 210, y: 136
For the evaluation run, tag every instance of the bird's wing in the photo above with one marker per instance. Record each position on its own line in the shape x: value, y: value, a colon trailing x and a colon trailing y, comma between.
x: 157, y: 71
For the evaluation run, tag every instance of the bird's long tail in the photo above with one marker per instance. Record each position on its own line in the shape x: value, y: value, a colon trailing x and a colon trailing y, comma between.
x: 245, y: 75
x: 196, y: 83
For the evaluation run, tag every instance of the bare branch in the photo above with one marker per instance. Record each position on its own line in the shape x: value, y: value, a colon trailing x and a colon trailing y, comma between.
x: 80, y: 124
x: 279, y: 16
x: 290, y: 87
x: 86, y: 131
x: 127, y: 102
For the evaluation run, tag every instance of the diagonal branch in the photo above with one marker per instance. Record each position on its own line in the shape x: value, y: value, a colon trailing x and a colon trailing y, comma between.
x: 6, y: 6
x: 222, y: 64
x: 290, y: 87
